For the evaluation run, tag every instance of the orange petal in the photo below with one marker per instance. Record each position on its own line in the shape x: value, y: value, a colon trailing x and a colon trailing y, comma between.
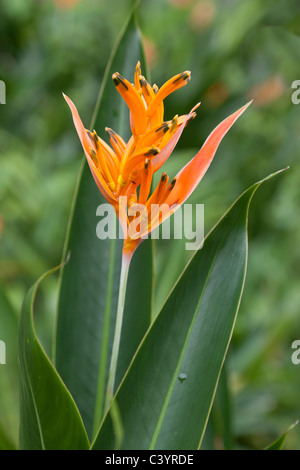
x: 146, y: 180
x: 149, y: 95
x: 116, y: 142
x: 86, y: 144
x: 171, y: 85
x: 133, y: 164
x: 159, y: 191
x: 189, y: 177
x: 153, y: 135
x: 137, y: 74
x: 166, y: 151
x: 84, y: 139
x: 102, y: 185
x: 133, y: 101
x: 153, y: 205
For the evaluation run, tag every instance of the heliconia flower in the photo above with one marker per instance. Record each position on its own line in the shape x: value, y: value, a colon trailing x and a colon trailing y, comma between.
x: 123, y: 171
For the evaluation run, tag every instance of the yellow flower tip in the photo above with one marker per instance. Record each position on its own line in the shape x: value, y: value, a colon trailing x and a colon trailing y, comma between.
x: 121, y: 181
x: 163, y: 128
x: 110, y: 134
x: 174, y: 122
x: 93, y: 156
x: 119, y: 80
x: 96, y: 138
x: 152, y: 151
x: 112, y: 185
x: 168, y: 87
x: 93, y: 136
x: 172, y: 184
x: 146, y: 164
x: 143, y: 84
x: 163, y: 176
x: 138, y: 68
x: 183, y: 77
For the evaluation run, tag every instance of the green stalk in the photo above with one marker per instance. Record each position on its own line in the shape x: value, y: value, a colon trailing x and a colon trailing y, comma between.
x: 118, y: 327
x: 100, y: 397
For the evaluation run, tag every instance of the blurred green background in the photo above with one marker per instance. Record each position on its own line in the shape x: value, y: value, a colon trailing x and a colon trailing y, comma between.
x: 237, y: 50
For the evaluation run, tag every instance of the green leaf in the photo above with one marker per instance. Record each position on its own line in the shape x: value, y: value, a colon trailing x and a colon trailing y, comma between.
x: 49, y: 418
x: 8, y: 375
x: 189, y: 339
x: 279, y: 443
x: 219, y: 427
x: 89, y: 282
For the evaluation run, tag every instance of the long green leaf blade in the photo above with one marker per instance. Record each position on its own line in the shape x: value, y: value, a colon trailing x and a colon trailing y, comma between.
x: 8, y: 374
x: 279, y: 443
x: 166, y: 396
x: 89, y: 282
x: 49, y: 418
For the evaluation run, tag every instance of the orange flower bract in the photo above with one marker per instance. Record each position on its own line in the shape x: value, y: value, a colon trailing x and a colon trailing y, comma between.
x: 124, y: 170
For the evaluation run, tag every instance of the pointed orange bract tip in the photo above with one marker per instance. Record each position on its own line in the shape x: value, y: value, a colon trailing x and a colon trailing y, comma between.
x: 78, y: 124
x: 190, y: 176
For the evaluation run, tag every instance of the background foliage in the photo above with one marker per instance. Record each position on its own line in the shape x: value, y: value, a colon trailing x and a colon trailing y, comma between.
x: 237, y: 50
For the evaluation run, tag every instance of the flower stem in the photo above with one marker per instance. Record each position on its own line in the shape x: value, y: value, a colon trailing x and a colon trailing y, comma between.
x: 100, y: 396
x: 118, y: 327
